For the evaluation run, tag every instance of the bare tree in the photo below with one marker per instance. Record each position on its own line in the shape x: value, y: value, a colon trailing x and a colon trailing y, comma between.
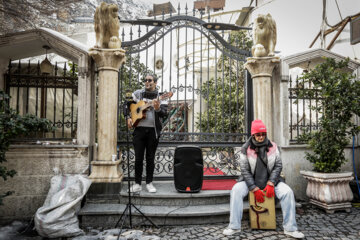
x: 17, y: 15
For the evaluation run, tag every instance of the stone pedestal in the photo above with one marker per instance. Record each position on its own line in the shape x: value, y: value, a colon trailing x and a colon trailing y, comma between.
x: 261, y: 69
x: 330, y: 191
x: 108, y: 62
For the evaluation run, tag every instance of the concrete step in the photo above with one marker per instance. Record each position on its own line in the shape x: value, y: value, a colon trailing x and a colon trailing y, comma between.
x: 165, y: 207
x: 167, y: 195
x: 105, y: 215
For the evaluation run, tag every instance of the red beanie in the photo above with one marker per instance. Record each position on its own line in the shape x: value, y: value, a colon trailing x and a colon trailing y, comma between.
x: 257, y: 126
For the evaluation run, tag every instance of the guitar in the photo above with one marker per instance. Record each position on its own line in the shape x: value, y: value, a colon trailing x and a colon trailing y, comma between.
x: 138, y: 110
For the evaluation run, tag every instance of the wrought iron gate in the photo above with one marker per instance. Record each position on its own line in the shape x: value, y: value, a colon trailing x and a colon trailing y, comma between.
x: 52, y: 96
x: 201, y: 62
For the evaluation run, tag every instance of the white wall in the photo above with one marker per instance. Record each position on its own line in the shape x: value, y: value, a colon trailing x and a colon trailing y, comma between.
x: 293, y: 158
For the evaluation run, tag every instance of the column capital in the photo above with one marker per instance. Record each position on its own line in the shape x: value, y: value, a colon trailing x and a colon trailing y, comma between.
x: 108, y: 59
x: 261, y: 66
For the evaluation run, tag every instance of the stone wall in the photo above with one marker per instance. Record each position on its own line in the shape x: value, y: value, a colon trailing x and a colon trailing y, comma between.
x: 35, y: 163
x: 293, y: 158
x: 35, y: 166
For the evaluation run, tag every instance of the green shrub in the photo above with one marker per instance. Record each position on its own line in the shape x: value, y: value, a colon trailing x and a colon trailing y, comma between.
x: 12, y: 125
x: 339, y: 102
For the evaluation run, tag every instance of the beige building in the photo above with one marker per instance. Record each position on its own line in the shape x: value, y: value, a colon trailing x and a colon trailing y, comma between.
x: 37, y: 163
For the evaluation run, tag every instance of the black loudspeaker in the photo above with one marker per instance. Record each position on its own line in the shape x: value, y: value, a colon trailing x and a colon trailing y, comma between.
x: 188, y: 169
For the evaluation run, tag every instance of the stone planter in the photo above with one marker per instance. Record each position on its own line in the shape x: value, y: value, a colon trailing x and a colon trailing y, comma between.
x: 330, y: 191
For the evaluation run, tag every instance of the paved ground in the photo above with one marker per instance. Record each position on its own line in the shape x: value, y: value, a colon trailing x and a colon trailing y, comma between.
x: 314, y: 223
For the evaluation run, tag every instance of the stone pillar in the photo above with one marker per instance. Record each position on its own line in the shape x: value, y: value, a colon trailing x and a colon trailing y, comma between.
x: 86, y: 101
x: 3, y: 68
x: 261, y: 70
x: 108, y: 62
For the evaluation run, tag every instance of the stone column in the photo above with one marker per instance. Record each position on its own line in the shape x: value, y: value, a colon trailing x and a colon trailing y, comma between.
x: 86, y: 101
x: 108, y: 61
x: 3, y: 68
x: 261, y: 70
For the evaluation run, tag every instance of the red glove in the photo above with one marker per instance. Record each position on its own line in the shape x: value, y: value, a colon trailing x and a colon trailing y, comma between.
x: 269, y: 191
x: 259, y: 196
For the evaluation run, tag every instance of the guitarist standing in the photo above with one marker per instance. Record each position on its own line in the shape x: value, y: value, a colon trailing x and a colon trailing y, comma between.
x: 147, y: 132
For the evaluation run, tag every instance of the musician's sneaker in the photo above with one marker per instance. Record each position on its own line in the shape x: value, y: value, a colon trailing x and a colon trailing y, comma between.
x: 294, y: 234
x: 229, y: 231
x: 150, y: 187
x: 135, y: 188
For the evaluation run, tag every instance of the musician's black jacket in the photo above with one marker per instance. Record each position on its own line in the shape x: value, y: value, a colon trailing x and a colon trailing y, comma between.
x: 161, y: 114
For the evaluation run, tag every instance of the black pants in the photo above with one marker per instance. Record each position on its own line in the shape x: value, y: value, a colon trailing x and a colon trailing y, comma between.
x: 144, y: 139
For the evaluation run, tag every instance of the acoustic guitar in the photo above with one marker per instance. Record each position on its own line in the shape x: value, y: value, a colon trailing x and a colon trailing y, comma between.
x: 138, y: 110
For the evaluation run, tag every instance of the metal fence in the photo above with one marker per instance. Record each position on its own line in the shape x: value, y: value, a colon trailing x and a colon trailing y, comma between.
x: 303, y: 115
x: 201, y: 62
x: 52, y: 96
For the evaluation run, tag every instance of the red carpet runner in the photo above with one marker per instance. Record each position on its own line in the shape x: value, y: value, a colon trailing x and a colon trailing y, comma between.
x: 216, y: 184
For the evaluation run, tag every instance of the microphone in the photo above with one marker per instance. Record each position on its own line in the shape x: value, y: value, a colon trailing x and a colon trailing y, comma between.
x: 126, y: 109
x: 128, y: 95
x: 127, y: 102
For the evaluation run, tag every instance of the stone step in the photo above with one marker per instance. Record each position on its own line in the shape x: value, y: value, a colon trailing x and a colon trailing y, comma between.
x: 167, y: 195
x: 107, y: 215
x: 165, y: 207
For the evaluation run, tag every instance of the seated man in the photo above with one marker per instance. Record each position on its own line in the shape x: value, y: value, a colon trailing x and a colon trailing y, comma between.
x: 261, y: 166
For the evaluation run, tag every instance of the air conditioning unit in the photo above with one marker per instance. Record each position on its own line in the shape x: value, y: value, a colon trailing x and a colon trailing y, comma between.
x: 355, y: 31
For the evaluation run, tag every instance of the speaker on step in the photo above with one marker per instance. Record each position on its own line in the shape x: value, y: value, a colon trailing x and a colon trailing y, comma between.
x: 188, y: 168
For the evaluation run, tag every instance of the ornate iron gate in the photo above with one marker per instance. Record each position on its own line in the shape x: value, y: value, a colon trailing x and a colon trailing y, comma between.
x: 52, y: 96
x: 201, y: 62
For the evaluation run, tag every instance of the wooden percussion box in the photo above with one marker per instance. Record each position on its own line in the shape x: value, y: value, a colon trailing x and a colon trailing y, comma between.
x: 262, y: 215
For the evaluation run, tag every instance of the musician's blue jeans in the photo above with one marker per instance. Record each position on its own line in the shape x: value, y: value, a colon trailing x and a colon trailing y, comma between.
x: 282, y: 191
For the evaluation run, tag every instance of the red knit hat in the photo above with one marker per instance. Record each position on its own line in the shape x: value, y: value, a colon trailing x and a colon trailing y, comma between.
x: 257, y: 126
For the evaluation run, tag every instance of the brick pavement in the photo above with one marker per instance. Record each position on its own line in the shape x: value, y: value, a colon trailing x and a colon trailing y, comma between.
x: 316, y: 224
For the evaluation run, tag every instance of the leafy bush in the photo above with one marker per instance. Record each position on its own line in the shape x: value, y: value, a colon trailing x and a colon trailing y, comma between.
x: 12, y: 125
x: 339, y: 102
x: 224, y: 95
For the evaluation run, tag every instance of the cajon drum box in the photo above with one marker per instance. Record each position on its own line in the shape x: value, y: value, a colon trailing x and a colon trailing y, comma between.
x: 262, y: 215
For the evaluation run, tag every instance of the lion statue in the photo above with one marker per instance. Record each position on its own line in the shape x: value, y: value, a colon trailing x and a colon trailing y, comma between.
x: 265, y: 35
x: 259, y: 51
x: 107, y: 26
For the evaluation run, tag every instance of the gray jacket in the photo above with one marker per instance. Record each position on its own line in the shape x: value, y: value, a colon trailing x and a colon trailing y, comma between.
x: 248, y: 158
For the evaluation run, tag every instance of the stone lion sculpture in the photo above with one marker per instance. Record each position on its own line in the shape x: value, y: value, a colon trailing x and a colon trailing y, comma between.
x: 259, y: 51
x: 264, y: 35
x: 107, y: 26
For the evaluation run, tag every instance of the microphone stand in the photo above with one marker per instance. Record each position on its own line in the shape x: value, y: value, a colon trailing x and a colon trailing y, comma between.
x: 127, y: 212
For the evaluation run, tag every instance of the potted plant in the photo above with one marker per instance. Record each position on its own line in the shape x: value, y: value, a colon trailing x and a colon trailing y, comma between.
x: 339, y: 101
